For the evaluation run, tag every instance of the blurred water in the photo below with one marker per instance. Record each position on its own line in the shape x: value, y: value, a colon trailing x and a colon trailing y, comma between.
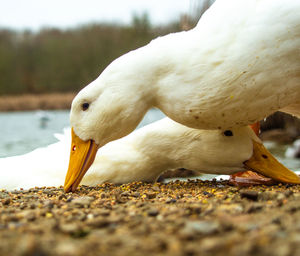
x: 279, y: 151
x: 21, y: 132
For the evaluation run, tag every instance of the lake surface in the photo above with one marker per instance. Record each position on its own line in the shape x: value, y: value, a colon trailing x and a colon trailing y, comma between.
x: 22, y: 132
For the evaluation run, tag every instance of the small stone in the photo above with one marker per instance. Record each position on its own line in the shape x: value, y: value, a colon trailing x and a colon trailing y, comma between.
x: 27, y: 214
x: 249, y: 194
x: 82, y: 201
x: 281, y: 197
x: 207, y: 194
x: 194, y: 209
x: 23, y: 206
x: 151, y: 195
x: 66, y: 248
x: 171, y: 201
x: 254, y: 207
x: 32, y: 206
x: 69, y: 199
x: 125, y: 193
x: 288, y: 193
x: 98, y: 222
x: 293, y: 207
x: 103, y: 195
x: 136, y: 194
x: 30, y: 216
x: 4, y: 195
x: 6, y: 201
x: 231, y: 208
x: 267, y: 195
x: 62, y: 196
x: 152, y: 212
x: 69, y: 228
x: 202, y: 227
x: 49, y: 204
x: 104, y: 212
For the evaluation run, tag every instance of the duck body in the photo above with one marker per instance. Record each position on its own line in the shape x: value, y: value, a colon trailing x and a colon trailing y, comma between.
x: 238, y: 65
x: 232, y: 69
x: 141, y: 156
x: 149, y: 151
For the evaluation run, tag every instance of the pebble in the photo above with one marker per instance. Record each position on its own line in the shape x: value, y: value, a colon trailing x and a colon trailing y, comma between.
x: 201, y: 227
x: 249, y: 194
x: 153, y: 212
x: 98, y: 222
x: 254, y: 207
x: 4, y: 195
x: 136, y: 194
x: 82, y: 201
x: 151, y: 195
x: 268, y: 195
x: 48, y: 204
x: 69, y: 228
x: 6, y: 201
x: 171, y: 200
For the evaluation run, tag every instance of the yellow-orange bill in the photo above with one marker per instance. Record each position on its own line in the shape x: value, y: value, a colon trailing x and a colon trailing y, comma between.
x: 264, y: 163
x: 82, y: 155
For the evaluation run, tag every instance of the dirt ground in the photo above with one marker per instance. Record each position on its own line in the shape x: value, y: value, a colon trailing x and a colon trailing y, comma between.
x: 177, y: 218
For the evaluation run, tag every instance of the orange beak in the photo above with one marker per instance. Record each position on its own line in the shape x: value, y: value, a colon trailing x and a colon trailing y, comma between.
x: 81, y: 158
x: 263, y: 162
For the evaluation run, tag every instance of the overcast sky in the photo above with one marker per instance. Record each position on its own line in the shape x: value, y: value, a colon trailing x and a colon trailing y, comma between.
x: 34, y: 14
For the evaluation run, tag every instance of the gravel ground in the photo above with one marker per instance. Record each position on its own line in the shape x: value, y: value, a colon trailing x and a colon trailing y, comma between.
x: 177, y: 218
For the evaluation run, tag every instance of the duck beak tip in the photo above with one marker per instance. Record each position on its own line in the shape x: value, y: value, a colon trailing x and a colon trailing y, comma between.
x: 263, y: 162
x: 82, y: 156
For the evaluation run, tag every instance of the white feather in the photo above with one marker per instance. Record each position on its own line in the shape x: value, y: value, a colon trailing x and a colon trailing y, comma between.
x: 140, y: 156
x: 237, y: 66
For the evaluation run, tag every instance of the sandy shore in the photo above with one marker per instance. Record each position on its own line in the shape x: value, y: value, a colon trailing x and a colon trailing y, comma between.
x: 34, y: 102
x: 179, y: 218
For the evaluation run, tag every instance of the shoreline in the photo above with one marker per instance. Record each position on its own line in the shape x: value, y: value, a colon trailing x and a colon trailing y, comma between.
x: 25, y: 102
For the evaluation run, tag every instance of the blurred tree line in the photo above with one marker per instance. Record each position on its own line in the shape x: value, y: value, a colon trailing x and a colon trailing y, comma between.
x: 54, y: 60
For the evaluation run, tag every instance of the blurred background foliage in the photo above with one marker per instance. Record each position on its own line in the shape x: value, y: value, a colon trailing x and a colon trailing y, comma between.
x: 54, y: 60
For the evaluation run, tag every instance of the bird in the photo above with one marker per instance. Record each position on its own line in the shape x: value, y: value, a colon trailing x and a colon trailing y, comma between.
x: 238, y: 65
x: 144, y: 155
x: 147, y: 152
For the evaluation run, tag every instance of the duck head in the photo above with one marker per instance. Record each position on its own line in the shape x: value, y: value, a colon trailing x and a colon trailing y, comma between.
x: 103, y: 111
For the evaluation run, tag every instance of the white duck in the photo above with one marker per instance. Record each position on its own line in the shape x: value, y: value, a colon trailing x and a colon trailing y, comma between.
x: 144, y: 155
x: 237, y: 66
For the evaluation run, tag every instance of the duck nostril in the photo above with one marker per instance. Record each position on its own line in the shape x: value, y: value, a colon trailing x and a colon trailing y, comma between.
x: 264, y: 156
x: 74, y: 148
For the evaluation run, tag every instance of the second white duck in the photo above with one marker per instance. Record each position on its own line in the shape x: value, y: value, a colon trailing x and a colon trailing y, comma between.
x: 144, y: 155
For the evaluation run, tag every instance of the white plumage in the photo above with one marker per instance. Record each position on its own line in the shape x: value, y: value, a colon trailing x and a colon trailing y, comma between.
x: 140, y: 156
x: 237, y: 66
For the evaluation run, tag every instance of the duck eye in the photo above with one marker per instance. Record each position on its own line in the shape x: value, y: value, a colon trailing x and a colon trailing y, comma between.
x: 85, y: 106
x: 228, y: 133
